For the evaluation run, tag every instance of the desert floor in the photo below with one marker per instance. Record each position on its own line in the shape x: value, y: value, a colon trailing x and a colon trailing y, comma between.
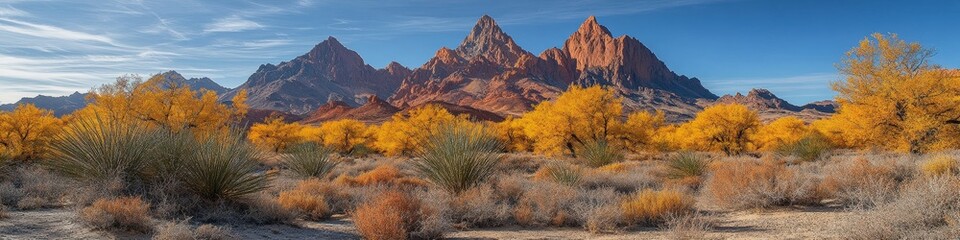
x: 782, y: 223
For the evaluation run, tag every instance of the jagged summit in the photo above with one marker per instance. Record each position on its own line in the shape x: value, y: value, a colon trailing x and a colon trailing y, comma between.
x: 489, y: 41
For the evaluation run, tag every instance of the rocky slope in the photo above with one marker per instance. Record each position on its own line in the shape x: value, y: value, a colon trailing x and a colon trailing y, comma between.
x: 329, y: 72
x: 489, y: 71
x: 772, y: 107
x: 195, y: 84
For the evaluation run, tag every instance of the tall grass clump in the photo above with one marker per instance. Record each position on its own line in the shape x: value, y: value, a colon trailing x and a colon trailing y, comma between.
x: 95, y: 150
x: 939, y: 165
x: 599, y: 153
x: 653, y: 207
x: 310, y: 160
x: 170, y: 155
x: 458, y: 158
x: 809, y: 148
x: 224, y: 168
x: 687, y: 165
x: 565, y: 174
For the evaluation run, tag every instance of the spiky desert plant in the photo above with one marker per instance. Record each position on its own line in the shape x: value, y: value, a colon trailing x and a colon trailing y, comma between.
x: 687, y: 164
x: 310, y: 160
x: 95, y: 149
x: 458, y: 157
x: 562, y: 173
x: 599, y: 153
x: 224, y: 168
x: 809, y: 148
x: 171, y: 152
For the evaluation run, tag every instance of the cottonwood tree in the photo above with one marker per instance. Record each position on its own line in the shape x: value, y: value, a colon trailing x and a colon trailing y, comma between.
x: 404, y: 132
x: 578, y: 116
x: 784, y: 130
x: 725, y: 127
x: 275, y: 134
x: 25, y: 132
x: 894, y: 98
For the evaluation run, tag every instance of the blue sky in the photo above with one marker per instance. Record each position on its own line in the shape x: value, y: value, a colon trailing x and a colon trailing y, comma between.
x: 55, y: 47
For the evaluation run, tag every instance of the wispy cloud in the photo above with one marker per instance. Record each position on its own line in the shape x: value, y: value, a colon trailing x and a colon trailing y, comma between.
x: 232, y: 24
x: 49, y: 32
x: 10, y: 11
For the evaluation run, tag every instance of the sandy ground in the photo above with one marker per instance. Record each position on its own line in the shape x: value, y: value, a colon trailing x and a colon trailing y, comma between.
x: 803, y: 223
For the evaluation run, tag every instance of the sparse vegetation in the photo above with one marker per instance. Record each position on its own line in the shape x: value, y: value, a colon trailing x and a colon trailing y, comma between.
x: 310, y: 160
x: 599, y: 153
x: 126, y: 213
x: 458, y: 158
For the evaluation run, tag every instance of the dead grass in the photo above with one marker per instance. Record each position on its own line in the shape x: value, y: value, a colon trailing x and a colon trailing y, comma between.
x: 546, y: 204
x: 125, y: 213
x: 386, y: 174
x: 743, y: 183
x: 925, y: 209
x: 860, y: 182
x: 310, y: 206
x: 181, y: 230
x: 939, y: 165
x: 650, y: 207
x: 265, y: 209
x: 393, y: 215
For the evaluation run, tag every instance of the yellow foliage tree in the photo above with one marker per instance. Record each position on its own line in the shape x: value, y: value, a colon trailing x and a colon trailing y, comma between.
x: 25, y: 132
x: 784, y: 130
x: 895, y: 99
x: 640, y: 130
x: 578, y: 116
x: 274, y: 134
x: 725, y: 127
x: 159, y: 102
x: 510, y: 133
x: 343, y: 135
x: 403, y: 133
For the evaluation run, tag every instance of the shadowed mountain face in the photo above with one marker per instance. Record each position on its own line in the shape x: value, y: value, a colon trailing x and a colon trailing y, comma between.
x: 329, y: 72
x: 60, y: 106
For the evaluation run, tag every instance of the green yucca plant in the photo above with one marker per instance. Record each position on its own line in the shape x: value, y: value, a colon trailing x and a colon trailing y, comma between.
x: 687, y: 164
x: 599, y: 153
x: 94, y: 149
x: 809, y: 148
x: 309, y: 160
x: 224, y: 168
x: 171, y: 153
x: 564, y: 173
x: 458, y: 158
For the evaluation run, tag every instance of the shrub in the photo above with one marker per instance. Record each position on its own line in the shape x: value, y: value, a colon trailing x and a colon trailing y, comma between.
x: 561, y: 173
x: 599, y: 153
x: 689, y: 226
x: 925, y: 209
x: 125, y: 213
x: 687, y: 165
x: 393, y: 215
x: 618, y: 167
x: 748, y: 183
x: 809, y: 148
x: 652, y: 207
x: 860, y: 182
x: 98, y: 150
x: 211, y: 232
x: 458, y: 158
x: 309, y: 160
x: 312, y: 206
x: 478, y: 207
x: 181, y: 231
x: 939, y: 165
x: 171, y: 152
x: 266, y: 209
x: 224, y: 169
x: 546, y: 203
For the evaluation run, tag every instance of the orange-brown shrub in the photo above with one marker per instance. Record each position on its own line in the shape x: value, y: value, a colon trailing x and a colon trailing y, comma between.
x: 383, y: 174
x: 126, y: 213
x: 753, y: 183
x: 393, y: 215
x: 546, y: 203
x: 652, y: 207
x: 311, y: 206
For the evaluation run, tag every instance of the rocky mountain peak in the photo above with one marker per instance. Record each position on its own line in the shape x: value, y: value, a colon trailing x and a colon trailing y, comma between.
x: 591, y: 27
x: 489, y: 41
x: 759, y: 99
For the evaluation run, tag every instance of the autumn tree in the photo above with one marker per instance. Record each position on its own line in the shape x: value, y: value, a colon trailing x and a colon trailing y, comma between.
x: 510, y: 133
x: 160, y: 102
x: 640, y: 130
x: 725, y: 127
x: 25, y: 132
x: 784, y: 130
x: 404, y: 131
x: 578, y: 116
x: 892, y: 97
x: 274, y: 134
x: 343, y: 135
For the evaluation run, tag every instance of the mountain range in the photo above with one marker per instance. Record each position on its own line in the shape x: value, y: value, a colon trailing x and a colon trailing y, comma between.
x: 487, y: 76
